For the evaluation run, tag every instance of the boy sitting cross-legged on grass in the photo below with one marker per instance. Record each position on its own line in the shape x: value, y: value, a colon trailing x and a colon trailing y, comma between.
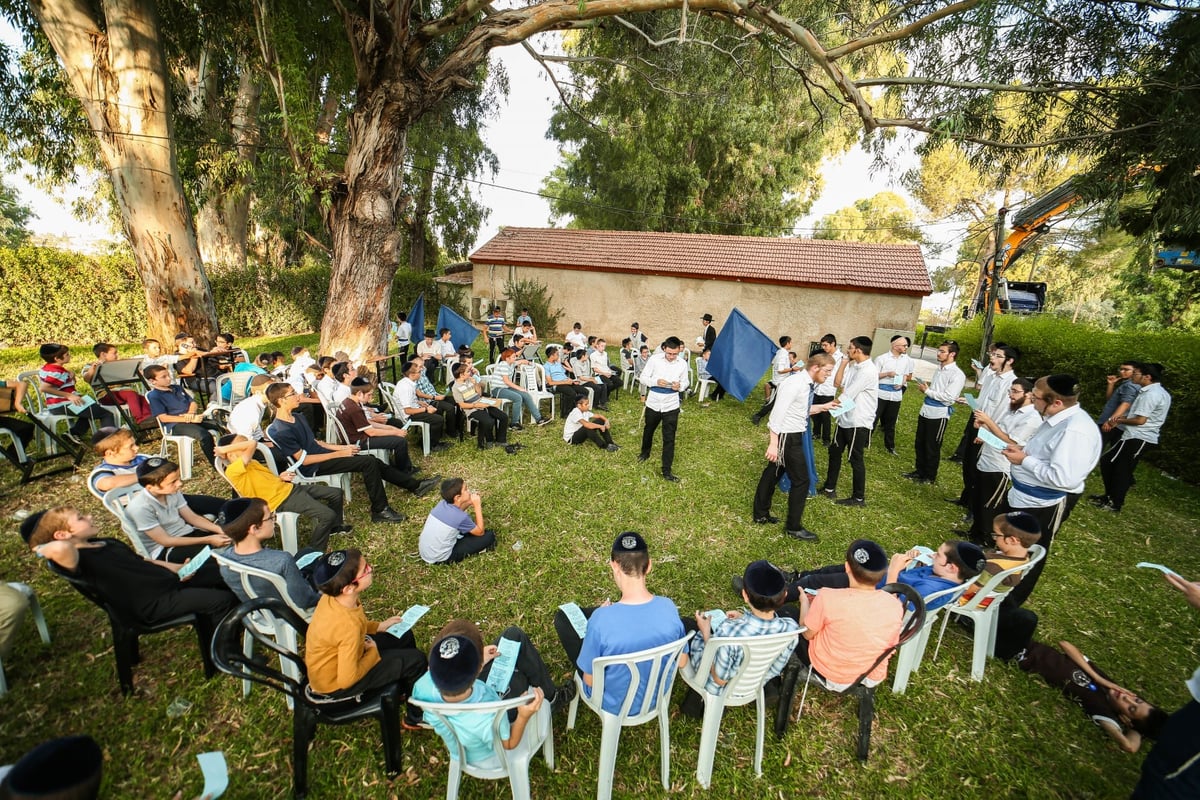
x: 320, y: 503
x: 119, y: 460
x: 345, y: 653
x: 250, y: 523
x: 450, y: 534
x: 847, y: 629
x: 167, y: 527
x: 763, y: 590
x: 582, y: 426
x: 459, y: 667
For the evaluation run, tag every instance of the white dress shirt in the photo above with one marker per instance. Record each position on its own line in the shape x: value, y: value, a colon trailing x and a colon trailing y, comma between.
x: 902, y: 365
x: 860, y: 383
x: 946, y: 388
x: 658, y: 368
x: 1017, y: 425
x: 1152, y: 402
x: 1058, y: 458
x: 790, y: 412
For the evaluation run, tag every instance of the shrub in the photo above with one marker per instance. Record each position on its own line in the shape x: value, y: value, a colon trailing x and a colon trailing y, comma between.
x: 1051, y: 345
x: 537, y: 298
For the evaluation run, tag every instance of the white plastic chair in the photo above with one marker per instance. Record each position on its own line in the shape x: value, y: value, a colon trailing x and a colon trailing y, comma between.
x: 744, y: 687
x: 15, y: 442
x: 115, y: 501
x: 289, y: 521
x: 264, y: 621
x: 338, y: 480
x: 39, y: 619
x: 909, y: 657
x: 661, y: 664
x: 388, y: 390
x: 338, y: 435
x: 533, y: 380
x: 35, y: 406
x: 512, y: 764
x: 185, y: 448
x: 704, y: 385
x: 984, y: 608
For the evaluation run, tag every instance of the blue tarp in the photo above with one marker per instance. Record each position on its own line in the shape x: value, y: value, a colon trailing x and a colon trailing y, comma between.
x: 416, y: 318
x: 461, y: 330
x: 740, y: 355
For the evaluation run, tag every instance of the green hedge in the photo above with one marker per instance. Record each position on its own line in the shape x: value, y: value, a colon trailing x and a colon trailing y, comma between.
x: 1051, y: 345
x: 49, y: 294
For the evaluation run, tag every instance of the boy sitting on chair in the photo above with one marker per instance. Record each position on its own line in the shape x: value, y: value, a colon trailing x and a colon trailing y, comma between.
x: 345, y: 653
x: 1013, y: 533
x: 250, y: 523
x: 763, y: 590
x: 167, y: 527
x: 459, y: 667
x: 638, y: 621
x: 119, y: 460
x: 320, y: 503
x: 847, y: 629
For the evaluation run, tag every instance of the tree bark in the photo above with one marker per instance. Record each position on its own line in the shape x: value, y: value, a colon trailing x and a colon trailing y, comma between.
x: 223, y: 221
x: 116, y: 69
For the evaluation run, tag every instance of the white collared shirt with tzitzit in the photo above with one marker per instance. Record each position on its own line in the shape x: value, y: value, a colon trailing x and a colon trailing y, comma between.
x: 860, y: 383
x: 902, y: 365
x: 789, y: 414
x: 1058, y: 458
x: 993, y: 392
x: 1017, y: 425
x: 1153, y: 402
x: 826, y: 388
x: 944, y: 391
x: 658, y: 368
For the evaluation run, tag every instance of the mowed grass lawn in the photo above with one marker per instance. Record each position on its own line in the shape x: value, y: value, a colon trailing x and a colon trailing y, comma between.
x: 1008, y: 736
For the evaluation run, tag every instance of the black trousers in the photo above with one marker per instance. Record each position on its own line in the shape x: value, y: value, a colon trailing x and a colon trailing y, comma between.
x: 598, y: 437
x: 970, y: 469
x: 531, y: 669
x: 599, y: 392
x: 886, y: 414
x: 320, y: 503
x: 1171, y: 771
x: 495, y: 347
x: 1117, y: 466
x: 374, y: 472
x: 856, y: 440
x: 929, y: 446
x: 568, y: 395
x: 822, y: 424
x: 792, y: 460
x: 399, y: 662
x: 491, y: 425
x: 987, y: 500
x: 83, y: 421
x: 396, y: 445
x: 200, y: 432
x: 468, y: 545
x: 669, y: 421
x: 1050, y: 518
x: 436, y: 423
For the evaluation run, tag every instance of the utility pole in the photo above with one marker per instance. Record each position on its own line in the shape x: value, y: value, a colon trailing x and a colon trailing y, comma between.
x: 993, y: 285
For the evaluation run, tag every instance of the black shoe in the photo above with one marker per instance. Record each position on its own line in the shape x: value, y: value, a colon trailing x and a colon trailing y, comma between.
x: 854, y: 502
x: 767, y: 520
x: 737, y: 584
x: 543, y: 422
x: 968, y: 518
x: 516, y: 426
x: 955, y: 459
x: 912, y: 476
x: 892, y: 450
x: 755, y: 419
x: 956, y: 501
x: 440, y: 447
x: 923, y: 481
x: 825, y: 442
x: 426, y: 486
x: 1098, y: 500
x: 563, y: 696
x: 612, y: 448
x: 388, y: 515
x: 827, y: 492
x: 512, y: 449
x: 670, y: 476
x: 642, y: 457
x: 342, y: 529
x: 804, y: 535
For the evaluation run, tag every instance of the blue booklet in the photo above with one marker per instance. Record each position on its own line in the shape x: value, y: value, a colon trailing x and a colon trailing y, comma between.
x: 407, y: 620
x: 575, y: 616
x: 196, y: 562
x: 503, y: 665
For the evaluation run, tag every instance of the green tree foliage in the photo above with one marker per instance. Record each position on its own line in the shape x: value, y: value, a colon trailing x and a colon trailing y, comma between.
x: 884, y: 218
x: 684, y: 137
x: 536, y: 297
x: 14, y: 217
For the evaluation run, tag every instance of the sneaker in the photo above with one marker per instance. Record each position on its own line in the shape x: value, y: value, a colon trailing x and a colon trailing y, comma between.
x: 516, y: 426
x: 755, y: 419
x: 543, y: 422
x: 852, y: 502
x: 612, y: 448
x: 1098, y: 500
x: 642, y: 457
x: 670, y: 476
x: 563, y: 695
x: 827, y: 492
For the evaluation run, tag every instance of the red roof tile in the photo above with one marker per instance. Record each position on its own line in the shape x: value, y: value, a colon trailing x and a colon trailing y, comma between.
x: 851, y: 266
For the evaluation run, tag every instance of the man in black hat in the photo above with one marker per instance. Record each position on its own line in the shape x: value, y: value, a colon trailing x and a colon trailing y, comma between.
x: 708, y: 334
x: 639, y: 620
x: 1049, y: 472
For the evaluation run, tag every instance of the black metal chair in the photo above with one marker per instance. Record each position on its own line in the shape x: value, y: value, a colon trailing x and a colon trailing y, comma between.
x: 126, y: 629
x: 307, y: 710
x: 914, y: 619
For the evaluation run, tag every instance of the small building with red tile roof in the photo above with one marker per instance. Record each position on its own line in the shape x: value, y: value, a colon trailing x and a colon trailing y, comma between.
x: 665, y: 281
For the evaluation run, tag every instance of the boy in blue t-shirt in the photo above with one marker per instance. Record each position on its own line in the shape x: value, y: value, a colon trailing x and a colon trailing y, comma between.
x: 638, y: 621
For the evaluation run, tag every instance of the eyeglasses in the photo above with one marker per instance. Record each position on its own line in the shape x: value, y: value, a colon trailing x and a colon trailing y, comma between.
x: 1037, y: 396
x: 367, y: 570
x: 270, y: 517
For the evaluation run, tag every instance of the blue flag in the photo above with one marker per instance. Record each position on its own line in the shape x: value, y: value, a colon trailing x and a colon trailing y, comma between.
x: 416, y: 318
x: 461, y: 330
x: 740, y: 355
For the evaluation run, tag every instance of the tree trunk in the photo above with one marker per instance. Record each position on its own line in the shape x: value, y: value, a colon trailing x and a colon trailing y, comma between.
x: 223, y: 221
x: 418, y: 228
x: 117, y: 71
x: 364, y: 220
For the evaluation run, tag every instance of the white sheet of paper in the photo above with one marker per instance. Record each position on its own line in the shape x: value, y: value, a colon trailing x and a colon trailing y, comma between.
x: 972, y: 401
x: 924, y: 555
x: 195, y: 563
x: 503, y: 665
x: 846, y: 406
x: 1160, y: 568
x: 575, y: 616
x: 407, y: 620
x: 990, y: 439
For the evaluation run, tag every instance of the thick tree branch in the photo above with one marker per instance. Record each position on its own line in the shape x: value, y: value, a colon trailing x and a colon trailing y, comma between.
x: 463, y: 13
x: 901, y: 33
x: 924, y: 126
